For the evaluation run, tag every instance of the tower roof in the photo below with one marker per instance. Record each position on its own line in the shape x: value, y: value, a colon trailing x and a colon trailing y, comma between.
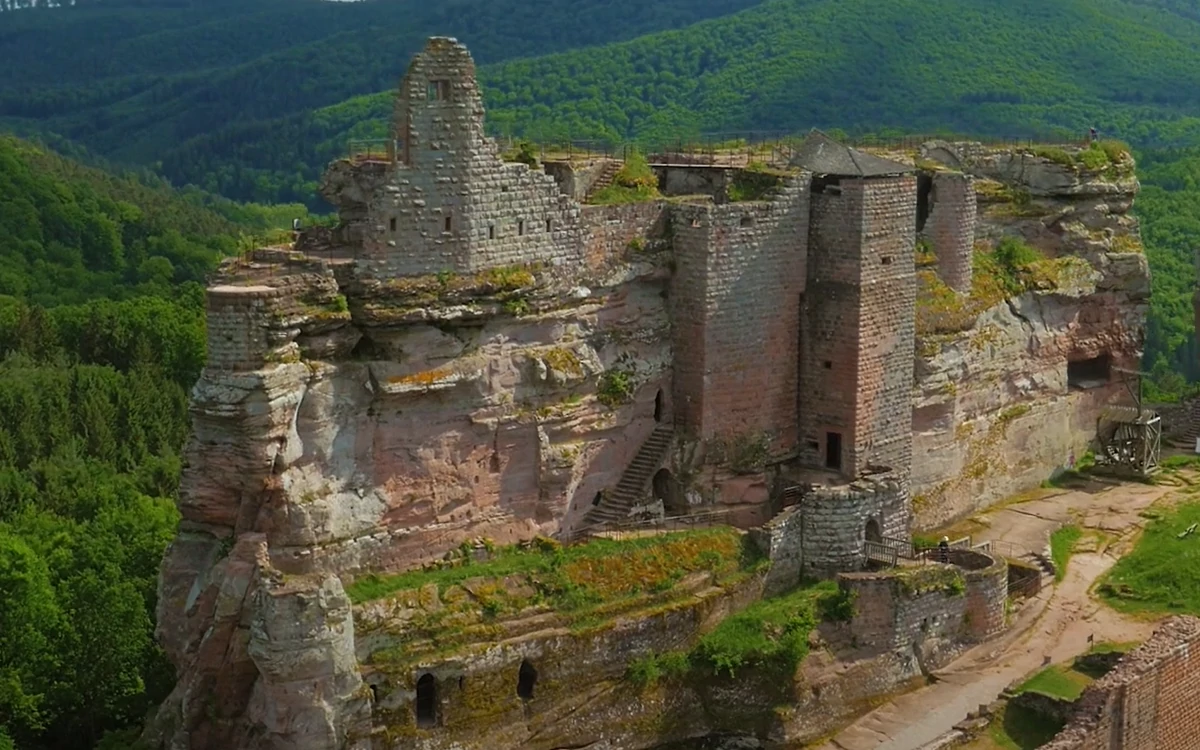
x: 821, y: 154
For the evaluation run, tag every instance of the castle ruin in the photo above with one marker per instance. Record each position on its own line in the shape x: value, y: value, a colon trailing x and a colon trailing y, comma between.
x: 480, y: 350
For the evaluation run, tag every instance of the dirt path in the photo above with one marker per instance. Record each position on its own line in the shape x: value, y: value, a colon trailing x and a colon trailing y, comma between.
x: 1054, y: 627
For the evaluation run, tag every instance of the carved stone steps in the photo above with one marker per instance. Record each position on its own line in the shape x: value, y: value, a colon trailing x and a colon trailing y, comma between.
x: 616, y: 505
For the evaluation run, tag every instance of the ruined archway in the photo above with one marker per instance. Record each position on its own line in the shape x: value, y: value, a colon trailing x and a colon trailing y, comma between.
x: 426, y: 701
x: 666, y: 489
x: 526, y: 680
x: 873, y: 533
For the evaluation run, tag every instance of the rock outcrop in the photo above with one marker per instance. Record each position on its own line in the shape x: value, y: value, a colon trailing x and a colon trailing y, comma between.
x: 1010, y: 383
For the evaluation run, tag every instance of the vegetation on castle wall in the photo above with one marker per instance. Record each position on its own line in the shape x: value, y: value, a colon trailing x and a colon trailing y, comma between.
x: 770, y: 634
x: 615, y: 387
x: 635, y: 182
x: 755, y: 182
x: 1009, y: 270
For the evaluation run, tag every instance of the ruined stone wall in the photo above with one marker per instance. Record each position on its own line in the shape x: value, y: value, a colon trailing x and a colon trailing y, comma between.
x: 612, y: 234
x: 735, y: 302
x: 900, y: 608
x: 450, y: 203
x: 858, y: 323
x: 934, y: 607
x: 826, y: 532
x: 951, y: 227
x: 237, y: 332
x: 1148, y: 702
x: 678, y: 179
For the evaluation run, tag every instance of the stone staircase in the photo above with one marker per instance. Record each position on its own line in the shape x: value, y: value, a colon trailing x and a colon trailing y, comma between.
x: 1193, y: 430
x: 608, y: 173
x: 616, y: 504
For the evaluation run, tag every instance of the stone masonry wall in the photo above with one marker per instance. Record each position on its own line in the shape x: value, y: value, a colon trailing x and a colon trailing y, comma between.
x: 1148, y: 702
x: 987, y: 591
x: 236, y: 317
x: 740, y: 269
x: 615, y: 233
x: 858, y: 326
x: 825, y: 533
x: 951, y: 227
x: 451, y: 203
x: 892, y: 615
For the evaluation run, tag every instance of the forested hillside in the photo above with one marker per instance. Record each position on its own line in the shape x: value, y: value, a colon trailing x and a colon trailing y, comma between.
x: 101, y: 337
x: 250, y: 98
x: 173, y: 70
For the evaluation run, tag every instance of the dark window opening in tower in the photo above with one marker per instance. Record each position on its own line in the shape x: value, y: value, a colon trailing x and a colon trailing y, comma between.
x: 924, y: 199
x: 426, y: 701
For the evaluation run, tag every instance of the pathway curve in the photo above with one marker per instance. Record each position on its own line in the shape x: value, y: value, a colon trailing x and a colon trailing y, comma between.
x: 1055, y: 626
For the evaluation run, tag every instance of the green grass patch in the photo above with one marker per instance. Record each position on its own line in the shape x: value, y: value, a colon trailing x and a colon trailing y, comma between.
x: 1180, y: 461
x: 1162, y: 573
x: 1062, y: 544
x: 1016, y: 728
x: 600, y: 570
x: 635, y: 182
x: 772, y: 633
x: 1057, y: 681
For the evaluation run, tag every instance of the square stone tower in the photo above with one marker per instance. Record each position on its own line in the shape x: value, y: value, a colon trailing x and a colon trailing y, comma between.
x: 447, y: 201
x: 858, y: 312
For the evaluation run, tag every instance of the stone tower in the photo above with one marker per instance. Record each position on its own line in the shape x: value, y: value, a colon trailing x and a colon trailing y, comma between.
x: 858, y: 313
x: 447, y: 201
x: 946, y: 214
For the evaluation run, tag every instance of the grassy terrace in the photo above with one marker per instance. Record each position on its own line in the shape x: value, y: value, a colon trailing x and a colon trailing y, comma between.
x: 582, y: 587
x: 598, y: 571
x: 1162, y: 574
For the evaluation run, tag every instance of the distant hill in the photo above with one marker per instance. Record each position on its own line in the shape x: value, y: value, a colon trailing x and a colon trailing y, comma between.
x: 251, y: 98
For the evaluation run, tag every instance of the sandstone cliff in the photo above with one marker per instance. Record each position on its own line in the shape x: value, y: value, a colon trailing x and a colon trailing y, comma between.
x: 1010, y: 382
x: 351, y: 422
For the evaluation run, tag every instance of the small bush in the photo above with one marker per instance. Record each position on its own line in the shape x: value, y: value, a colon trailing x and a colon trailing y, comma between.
x: 1054, y: 154
x: 1094, y: 157
x: 615, y: 388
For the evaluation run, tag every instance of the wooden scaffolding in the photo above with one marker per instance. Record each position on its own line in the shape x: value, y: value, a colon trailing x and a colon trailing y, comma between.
x: 1129, y: 438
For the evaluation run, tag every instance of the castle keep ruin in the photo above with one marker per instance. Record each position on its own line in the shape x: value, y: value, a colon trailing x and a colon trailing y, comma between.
x: 825, y: 349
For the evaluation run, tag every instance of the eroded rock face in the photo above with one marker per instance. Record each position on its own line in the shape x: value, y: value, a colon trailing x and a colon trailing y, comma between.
x: 995, y: 412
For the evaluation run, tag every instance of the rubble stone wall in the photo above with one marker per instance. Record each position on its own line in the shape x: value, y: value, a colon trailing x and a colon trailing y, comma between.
x: 450, y: 203
x: 1148, y: 702
x: 951, y: 227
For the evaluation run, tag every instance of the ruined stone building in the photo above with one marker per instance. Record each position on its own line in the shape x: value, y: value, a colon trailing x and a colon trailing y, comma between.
x: 480, y: 348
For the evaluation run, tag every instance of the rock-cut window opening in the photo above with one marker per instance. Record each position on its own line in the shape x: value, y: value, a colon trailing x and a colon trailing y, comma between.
x: 658, y: 406
x: 526, y: 679
x: 426, y: 701
x: 1089, y: 373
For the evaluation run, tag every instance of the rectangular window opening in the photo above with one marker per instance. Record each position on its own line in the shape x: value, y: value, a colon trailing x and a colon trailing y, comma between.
x: 520, y: 227
x: 447, y: 224
x: 392, y: 224
x: 827, y: 365
x: 438, y: 91
x: 747, y: 221
x: 491, y: 232
x: 549, y: 225
x: 833, y: 451
x: 886, y: 260
x: 1089, y: 373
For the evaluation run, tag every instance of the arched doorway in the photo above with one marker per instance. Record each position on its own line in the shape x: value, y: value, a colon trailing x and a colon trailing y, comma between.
x: 526, y: 679
x: 873, y: 533
x: 658, y: 406
x: 666, y: 489
x: 426, y: 701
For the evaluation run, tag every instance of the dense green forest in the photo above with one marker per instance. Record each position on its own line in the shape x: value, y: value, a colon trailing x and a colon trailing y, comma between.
x: 251, y: 99
x: 101, y: 337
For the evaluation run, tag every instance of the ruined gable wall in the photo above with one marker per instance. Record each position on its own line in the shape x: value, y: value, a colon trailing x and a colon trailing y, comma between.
x: 752, y: 258
x: 450, y: 202
x: 1148, y: 702
x: 951, y: 227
